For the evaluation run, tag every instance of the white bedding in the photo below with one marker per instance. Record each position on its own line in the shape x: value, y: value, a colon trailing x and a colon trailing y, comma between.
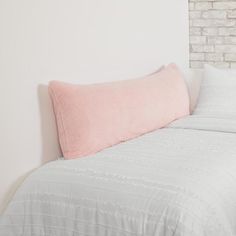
x: 177, y: 181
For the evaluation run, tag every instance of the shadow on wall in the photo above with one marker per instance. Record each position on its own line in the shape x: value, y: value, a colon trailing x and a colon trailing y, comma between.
x: 11, y: 191
x: 50, y: 144
x: 50, y: 149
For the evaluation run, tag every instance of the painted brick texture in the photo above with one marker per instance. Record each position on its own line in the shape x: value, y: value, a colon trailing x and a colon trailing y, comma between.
x: 212, y: 33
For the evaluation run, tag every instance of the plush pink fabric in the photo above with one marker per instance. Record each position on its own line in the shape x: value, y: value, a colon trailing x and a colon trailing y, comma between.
x: 93, y: 117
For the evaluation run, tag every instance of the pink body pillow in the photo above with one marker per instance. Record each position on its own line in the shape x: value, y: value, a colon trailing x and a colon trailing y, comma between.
x: 92, y: 117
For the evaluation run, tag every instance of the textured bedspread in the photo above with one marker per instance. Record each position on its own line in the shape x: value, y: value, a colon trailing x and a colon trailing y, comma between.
x: 177, y: 181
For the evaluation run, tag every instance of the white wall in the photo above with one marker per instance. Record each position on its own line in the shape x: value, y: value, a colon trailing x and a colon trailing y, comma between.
x: 73, y: 40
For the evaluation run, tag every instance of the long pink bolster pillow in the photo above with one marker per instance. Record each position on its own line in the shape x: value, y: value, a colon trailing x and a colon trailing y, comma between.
x: 92, y: 117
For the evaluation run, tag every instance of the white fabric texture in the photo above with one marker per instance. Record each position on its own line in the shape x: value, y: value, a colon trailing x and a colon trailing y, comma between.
x: 193, y: 78
x: 177, y: 181
x: 218, y: 93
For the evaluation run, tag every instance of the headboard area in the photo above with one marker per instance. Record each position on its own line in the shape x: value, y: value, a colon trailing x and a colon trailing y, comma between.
x: 74, y: 41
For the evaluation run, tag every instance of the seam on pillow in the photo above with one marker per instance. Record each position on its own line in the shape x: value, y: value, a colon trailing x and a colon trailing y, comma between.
x: 59, y: 116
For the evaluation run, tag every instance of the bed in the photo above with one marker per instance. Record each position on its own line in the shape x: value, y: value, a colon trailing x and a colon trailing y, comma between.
x: 179, y: 180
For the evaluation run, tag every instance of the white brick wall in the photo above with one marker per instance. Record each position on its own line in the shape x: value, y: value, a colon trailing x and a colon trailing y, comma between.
x: 212, y: 33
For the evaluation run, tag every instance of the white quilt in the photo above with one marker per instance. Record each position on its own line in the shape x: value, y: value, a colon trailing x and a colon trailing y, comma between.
x: 177, y: 181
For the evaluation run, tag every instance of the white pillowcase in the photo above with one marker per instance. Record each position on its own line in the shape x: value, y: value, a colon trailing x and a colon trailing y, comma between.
x: 217, y: 94
x: 193, y: 78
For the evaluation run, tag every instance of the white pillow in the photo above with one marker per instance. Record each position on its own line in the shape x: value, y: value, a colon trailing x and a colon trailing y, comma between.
x: 193, y: 78
x: 217, y: 94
